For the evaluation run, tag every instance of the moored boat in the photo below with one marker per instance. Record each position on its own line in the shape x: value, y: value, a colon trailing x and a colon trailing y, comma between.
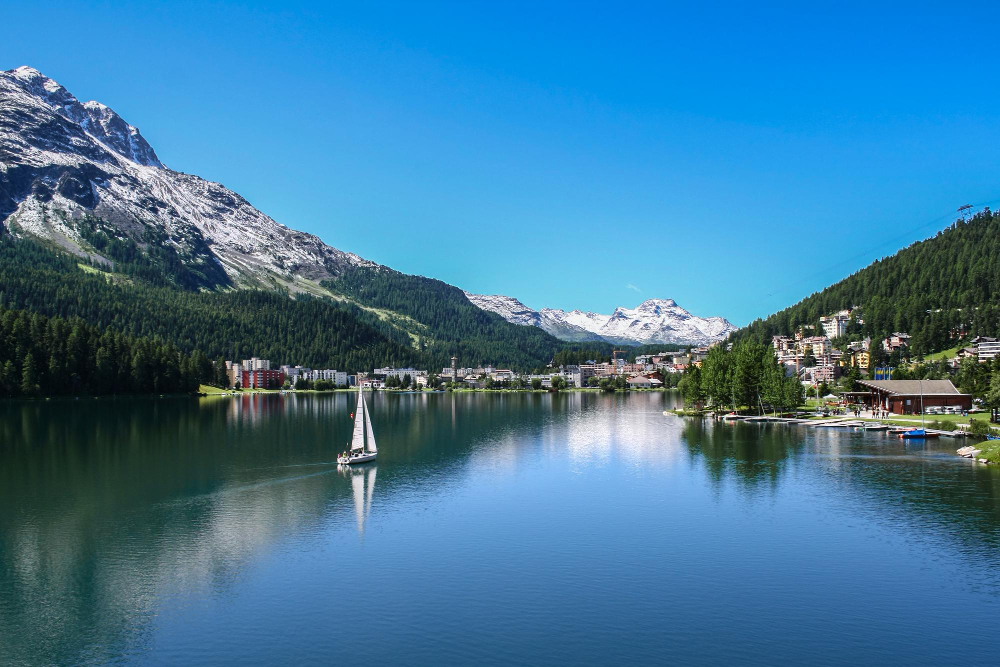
x: 915, y: 433
x: 875, y: 427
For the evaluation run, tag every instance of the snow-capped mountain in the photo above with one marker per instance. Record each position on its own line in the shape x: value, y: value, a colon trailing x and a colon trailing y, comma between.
x: 63, y: 162
x: 652, y: 321
x: 68, y: 168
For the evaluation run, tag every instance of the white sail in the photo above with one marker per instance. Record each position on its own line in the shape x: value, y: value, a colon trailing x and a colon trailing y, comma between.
x: 358, y: 440
x: 371, y: 434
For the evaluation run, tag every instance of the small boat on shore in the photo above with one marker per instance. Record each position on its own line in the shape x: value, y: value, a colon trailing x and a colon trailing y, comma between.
x: 363, y: 449
x: 875, y: 427
x: 917, y: 433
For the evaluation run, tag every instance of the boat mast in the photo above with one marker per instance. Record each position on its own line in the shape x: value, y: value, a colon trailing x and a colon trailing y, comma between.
x: 921, y: 385
x: 364, y: 409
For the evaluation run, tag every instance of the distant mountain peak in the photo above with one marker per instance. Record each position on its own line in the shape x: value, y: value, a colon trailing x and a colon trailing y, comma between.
x: 652, y: 321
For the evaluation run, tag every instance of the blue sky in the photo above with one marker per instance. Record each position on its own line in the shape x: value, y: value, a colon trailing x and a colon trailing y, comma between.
x: 734, y: 158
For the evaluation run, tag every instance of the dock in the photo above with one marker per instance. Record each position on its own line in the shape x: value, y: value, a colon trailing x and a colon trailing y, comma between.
x: 836, y: 422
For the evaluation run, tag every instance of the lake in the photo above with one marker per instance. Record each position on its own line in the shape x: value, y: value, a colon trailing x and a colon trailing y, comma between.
x: 577, y: 528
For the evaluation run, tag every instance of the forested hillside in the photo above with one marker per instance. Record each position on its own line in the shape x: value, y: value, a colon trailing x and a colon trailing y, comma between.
x: 145, y: 297
x: 930, y: 290
x: 233, y: 324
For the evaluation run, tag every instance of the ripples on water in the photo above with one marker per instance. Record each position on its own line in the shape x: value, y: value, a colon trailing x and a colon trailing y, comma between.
x: 577, y: 528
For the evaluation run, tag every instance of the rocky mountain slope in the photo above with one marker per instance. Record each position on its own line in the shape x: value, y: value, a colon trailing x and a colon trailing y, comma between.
x: 64, y: 163
x: 78, y: 179
x: 652, y: 321
x: 94, y: 225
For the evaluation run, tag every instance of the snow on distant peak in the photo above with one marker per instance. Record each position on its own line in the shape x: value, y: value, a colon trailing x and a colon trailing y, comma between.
x: 652, y: 321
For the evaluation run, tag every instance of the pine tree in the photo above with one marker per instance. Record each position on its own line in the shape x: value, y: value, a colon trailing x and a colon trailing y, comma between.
x: 29, y: 376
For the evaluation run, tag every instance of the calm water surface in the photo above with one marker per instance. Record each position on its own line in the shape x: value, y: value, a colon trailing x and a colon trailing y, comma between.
x: 522, y: 528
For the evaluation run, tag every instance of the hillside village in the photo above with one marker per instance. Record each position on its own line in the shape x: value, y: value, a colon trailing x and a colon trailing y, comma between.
x: 831, y: 356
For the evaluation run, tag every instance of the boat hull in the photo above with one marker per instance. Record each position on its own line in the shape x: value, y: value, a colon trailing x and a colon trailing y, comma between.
x: 354, y: 460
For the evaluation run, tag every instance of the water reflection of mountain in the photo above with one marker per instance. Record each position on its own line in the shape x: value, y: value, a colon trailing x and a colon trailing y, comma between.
x: 107, y: 506
x: 923, y: 485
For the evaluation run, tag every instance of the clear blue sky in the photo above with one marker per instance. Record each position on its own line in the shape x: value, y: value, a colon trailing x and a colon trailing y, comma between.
x: 573, y: 155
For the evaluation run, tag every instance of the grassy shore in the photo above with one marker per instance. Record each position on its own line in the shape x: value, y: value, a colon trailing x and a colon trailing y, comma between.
x: 989, y: 450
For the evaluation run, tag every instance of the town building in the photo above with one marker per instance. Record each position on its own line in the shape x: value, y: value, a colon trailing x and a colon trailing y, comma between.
x: 256, y: 364
x: 835, y: 325
x: 987, y: 348
x: 502, y: 375
x: 783, y: 344
x: 262, y: 379
x: 861, y: 359
x: 234, y: 372
x: 818, y: 345
x: 292, y: 373
x: 896, y: 341
x: 907, y: 397
x: 338, y: 378
x: 819, y: 373
x: 400, y: 373
x: 587, y: 371
x: 644, y: 382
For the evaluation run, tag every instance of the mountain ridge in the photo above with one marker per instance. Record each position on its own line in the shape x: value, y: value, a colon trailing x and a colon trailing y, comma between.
x: 652, y: 321
x: 64, y: 160
x: 79, y: 181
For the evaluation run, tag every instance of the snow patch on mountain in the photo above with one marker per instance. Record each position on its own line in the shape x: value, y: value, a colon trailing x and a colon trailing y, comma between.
x: 653, y: 321
x: 61, y: 159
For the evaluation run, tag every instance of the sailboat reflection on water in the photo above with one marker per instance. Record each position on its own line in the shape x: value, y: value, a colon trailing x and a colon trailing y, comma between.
x: 362, y: 486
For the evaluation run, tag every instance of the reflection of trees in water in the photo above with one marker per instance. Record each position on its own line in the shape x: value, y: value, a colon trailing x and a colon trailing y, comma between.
x: 749, y: 454
x: 920, y: 485
x: 107, y: 506
x: 928, y: 486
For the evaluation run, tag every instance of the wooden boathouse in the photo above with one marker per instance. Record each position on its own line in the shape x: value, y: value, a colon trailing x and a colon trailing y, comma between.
x: 910, y: 397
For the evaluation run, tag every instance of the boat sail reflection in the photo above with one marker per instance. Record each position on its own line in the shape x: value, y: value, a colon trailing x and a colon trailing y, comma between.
x: 362, y: 486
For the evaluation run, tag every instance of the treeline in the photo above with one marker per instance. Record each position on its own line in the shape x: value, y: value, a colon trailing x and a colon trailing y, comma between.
x: 236, y: 324
x: 55, y: 356
x: 452, y: 324
x: 747, y: 376
x: 932, y: 290
x: 152, y: 294
x: 580, y: 353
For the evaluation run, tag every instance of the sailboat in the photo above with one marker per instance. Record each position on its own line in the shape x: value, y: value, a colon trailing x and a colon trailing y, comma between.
x: 921, y: 432
x: 363, y: 447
